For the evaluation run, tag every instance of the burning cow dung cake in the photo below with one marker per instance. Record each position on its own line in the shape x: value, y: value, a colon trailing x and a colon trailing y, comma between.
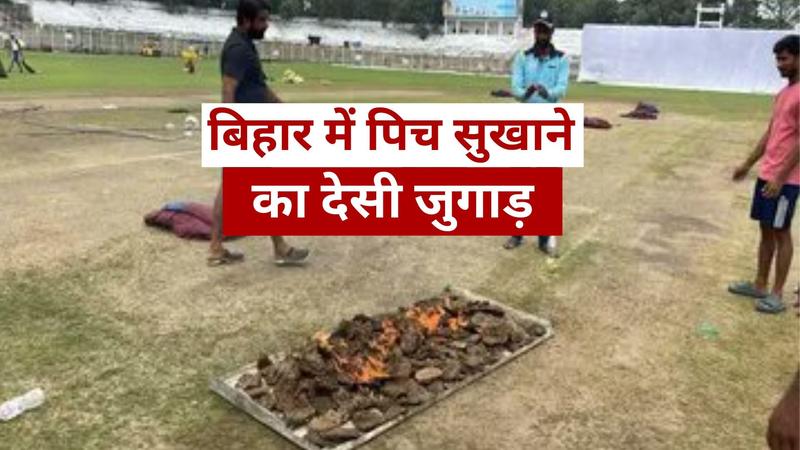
x: 346, y: 386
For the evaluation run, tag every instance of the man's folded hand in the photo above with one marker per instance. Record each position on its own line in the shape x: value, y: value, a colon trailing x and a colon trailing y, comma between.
x: 531, y: 90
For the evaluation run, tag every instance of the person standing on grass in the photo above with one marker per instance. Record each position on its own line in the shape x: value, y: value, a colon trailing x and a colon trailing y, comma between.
x: 190, y: 58
x: 540, y: 75
x: 778, y: 184
x: 16, y: 54
x: 244, y: 81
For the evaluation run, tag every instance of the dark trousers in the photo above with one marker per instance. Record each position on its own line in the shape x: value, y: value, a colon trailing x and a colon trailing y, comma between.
x: 15, y: 59
x: 542, y: 240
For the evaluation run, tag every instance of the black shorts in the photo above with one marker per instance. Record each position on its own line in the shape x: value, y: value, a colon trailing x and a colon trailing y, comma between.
x: 775, y: 213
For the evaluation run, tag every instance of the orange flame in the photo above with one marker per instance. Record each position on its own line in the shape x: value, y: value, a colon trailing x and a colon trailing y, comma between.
x: 427, y: 318
x: 456, y: 323
x: 364, y: 370
x: 384, y: 343
x: 372, y: 365
x: 372, y: 369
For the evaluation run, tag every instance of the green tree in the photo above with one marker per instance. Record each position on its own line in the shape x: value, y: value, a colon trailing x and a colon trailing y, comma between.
x: 323, y: 9
x: 376, y: 10
x: 572, y: 13
x: 289, y: 9
x: 596, y: 11
x: 658, y: 12
x: 781, y: 13
x: 743, y: 14
x: 424, y: 14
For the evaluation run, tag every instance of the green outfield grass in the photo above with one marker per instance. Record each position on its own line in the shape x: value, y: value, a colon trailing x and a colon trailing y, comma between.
x: 66, y: 74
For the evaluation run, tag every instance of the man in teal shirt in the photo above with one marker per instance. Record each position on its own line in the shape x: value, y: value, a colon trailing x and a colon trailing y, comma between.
x: 540, y: 75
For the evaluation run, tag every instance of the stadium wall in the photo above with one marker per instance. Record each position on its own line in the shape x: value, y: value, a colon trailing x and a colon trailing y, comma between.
x: 99, y: 41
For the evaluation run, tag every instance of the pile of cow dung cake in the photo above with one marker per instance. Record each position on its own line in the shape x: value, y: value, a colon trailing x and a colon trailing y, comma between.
x: 371, y: 370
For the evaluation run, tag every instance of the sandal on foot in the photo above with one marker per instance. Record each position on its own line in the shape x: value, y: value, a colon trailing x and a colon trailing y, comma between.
x: 225, y: 258
x: 771, y: 304
x: 294, y: 257
x: 513, y: 242
x: 746, y: 289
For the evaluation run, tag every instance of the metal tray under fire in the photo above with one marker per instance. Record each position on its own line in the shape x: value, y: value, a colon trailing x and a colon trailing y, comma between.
x: 225, y: 386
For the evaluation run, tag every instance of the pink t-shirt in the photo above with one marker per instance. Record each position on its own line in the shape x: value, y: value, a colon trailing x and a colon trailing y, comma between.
x: 784, y: 135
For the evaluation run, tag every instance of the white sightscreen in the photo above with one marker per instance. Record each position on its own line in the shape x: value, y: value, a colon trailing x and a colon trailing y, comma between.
x: 688, y: 58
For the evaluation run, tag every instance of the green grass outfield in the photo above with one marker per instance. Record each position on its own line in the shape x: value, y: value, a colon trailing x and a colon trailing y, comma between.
x: 68, y: 74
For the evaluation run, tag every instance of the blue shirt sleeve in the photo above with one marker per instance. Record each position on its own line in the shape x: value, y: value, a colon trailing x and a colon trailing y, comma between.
x: 518, y: 87
x: 562, y: 80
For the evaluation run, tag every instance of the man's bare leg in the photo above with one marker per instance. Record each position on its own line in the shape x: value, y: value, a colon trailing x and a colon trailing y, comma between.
x: 286, y: 255
x: 766, y: 252
x: 280, y: 246
x: 773, y: 303
x: 216, y: 225
x: 783, y: 260
x: 217, y: 253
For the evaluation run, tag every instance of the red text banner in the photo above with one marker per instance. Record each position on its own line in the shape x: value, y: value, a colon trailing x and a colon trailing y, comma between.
x: 392, y: 201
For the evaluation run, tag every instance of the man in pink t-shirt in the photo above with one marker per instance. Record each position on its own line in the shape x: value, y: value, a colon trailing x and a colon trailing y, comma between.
x: 777, y: 186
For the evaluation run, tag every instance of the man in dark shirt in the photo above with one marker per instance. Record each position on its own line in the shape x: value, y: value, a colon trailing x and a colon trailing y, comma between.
x: 243, y: 81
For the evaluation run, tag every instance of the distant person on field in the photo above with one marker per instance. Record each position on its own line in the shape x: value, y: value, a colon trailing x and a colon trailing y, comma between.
x: 540, y: 75
x: 778, y: 184
x: 244, y: 81
x: 190, y: 58
x: 16, y: 54
x: 2, y: 69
